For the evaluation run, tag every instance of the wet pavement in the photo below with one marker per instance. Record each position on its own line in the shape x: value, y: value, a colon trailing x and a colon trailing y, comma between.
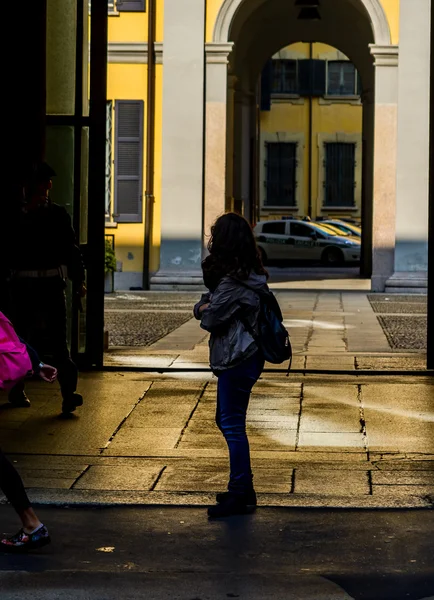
x: 177, y: 554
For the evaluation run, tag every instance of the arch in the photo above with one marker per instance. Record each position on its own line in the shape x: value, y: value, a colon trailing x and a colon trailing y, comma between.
x: 374, y: 8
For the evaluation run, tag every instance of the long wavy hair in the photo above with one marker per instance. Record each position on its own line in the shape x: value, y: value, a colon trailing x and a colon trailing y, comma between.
x: 232, y: 251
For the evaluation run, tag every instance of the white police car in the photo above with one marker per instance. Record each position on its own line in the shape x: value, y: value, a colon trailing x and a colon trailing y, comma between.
x: 303, y: 240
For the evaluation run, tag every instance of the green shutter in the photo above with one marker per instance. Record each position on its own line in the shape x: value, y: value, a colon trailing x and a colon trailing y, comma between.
x: 312, y: 77
x: 340, y: 166
x: 281, y: 174
x: 266, y: 83
x: 128, y: 161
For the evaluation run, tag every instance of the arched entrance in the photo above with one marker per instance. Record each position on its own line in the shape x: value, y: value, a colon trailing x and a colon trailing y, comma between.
x: 246, y: 34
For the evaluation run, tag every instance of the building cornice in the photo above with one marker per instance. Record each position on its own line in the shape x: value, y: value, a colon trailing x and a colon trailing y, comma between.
x: 133, y: 52
x: 218, y: 53
x: 385, y: 56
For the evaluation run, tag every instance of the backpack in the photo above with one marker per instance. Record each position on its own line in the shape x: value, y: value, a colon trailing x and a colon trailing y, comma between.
x: 15, y: 363
x: 273, y: 338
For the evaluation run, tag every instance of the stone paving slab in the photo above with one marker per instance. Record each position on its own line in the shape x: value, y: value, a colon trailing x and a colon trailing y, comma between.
x: 322, y: 324
x: 319, y: 440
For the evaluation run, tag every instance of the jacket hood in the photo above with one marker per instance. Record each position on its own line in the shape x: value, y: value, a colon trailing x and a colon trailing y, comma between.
x: 255, y: 281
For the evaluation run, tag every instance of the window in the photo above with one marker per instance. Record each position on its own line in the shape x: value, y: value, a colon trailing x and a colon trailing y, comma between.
x: 342, y: 78
x: 130, y: 5
x: 277, y: 227
x: 108, y: 159
x: 281, y: 168
x: 285, y: 79
x: 340, y: 167
x: 301, y: 230
x: 128, y: 160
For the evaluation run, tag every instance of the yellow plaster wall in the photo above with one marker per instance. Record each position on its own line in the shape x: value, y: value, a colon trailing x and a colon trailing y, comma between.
x: 338, y: 117
x: 133, y: 27
x: 129, y: 82
x: 392, y: 9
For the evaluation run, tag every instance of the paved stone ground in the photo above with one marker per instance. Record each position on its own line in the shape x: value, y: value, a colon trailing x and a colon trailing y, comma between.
x: 403, y: 319
x: 139, y: 319
x: 315, y: 441
x: 330, y: 330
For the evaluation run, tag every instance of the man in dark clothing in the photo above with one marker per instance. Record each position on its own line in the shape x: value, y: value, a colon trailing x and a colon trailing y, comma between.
x: 42, y: 254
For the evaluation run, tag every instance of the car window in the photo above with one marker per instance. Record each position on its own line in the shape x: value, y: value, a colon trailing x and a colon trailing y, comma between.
x: 274, y: 227
x: 324, y: 229
x: 301, y: 230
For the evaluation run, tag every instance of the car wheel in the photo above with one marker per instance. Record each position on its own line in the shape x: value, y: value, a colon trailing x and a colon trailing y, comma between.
x: 263, y: 255
x: 332, y: 257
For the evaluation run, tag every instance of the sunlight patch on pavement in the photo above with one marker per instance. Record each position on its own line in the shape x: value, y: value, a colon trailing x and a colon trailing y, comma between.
x: 135, y: 360
x: 293, y: 323
x: 427, y: 417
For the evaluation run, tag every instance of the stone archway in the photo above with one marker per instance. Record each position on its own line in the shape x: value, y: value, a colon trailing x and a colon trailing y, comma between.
x: 229, y: 26
x: 375, y: 10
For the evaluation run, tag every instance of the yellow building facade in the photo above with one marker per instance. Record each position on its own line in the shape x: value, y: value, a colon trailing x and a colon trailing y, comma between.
x: 308, y: 128
x: 351, y: 154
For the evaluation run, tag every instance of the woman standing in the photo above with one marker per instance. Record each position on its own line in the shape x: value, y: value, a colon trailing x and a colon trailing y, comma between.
x: 234, y: 275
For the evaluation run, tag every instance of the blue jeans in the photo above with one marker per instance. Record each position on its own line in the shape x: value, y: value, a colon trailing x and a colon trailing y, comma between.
x: 233, y: 395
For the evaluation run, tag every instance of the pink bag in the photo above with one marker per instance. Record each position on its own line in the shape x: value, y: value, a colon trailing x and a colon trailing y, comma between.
x: 15, y: 363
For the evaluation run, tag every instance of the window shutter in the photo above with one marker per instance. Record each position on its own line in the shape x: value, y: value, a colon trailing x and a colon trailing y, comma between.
x: 318, y: 74
x: 312, y: 77
x: 131, y: 5
x: 359, y: 90
x: 281, y: 174
x: 266, y: 84
x: 128, y: 161
x: 304, y: 77
x: 340, y: 164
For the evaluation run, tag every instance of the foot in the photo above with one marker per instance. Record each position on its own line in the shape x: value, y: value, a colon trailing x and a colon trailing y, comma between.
x: 233, y: 504
x: 250, y: 497
x: 22, y: 541
x: 19, y: 399
x: 71, y: 402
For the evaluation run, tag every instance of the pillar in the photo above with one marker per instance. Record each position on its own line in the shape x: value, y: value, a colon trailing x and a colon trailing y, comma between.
x: 411, y: 252
x: 182, y: 144
x: 242, y: 148
x: 215, y: 133
x: 384, y: 187
x: 232, y: 81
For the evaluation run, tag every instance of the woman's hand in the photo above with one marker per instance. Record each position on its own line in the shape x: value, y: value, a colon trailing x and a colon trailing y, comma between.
x: 48, y: 373
x: 203, y: 307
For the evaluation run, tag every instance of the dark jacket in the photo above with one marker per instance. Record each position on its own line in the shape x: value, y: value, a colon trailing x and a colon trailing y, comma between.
x: 232, y: 319
x: 44, y: 239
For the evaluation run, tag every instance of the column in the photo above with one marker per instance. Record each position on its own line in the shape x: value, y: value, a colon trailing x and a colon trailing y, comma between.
x: 182, y: 144
x: 242, y: 163
x: 411, y: 253
x: 385, y: 139
x: 232, y: 82
x: 215, y: 132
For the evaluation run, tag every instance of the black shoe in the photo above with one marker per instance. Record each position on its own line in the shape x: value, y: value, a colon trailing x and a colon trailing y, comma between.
x: 19, y: 399
x: 71, y: 402
x: 250, y: 497
x: 233, y: 504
